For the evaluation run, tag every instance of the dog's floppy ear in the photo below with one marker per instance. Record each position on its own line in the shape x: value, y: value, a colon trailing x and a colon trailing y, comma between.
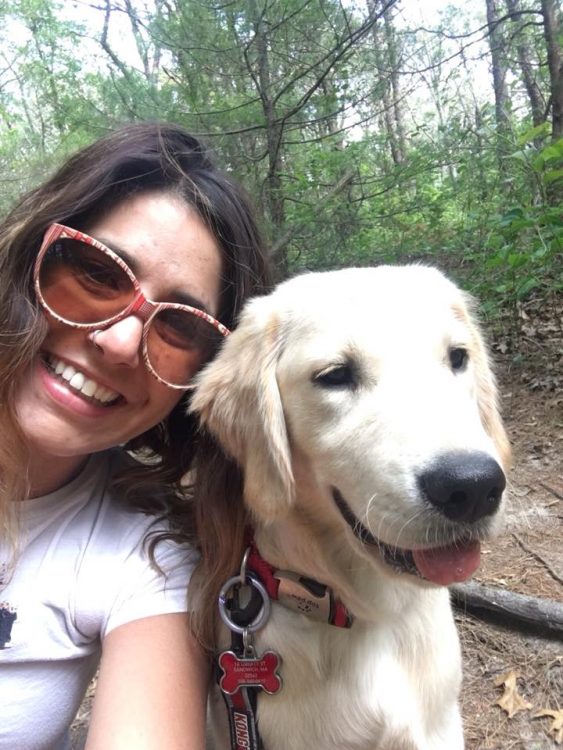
x: 238, y: 400
x: 487, y: 395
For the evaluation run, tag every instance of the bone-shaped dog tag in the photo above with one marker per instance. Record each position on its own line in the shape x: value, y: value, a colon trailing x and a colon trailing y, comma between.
x: 239, y: 672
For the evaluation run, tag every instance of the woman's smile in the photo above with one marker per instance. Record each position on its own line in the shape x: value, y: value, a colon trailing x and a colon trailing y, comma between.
x: 85, y: 396
x: 80, y: 382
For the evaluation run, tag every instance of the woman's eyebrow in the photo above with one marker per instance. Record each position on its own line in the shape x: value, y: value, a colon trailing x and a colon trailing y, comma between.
x: 184, y: 298
x: 175, y: 295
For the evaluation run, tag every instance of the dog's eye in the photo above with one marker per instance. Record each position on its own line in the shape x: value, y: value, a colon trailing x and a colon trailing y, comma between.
x: 458, y: 358
x: 339, y: 376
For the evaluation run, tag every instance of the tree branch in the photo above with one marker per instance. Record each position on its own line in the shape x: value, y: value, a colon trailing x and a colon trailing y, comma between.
x: 527, y: 613
x: 283, y: 241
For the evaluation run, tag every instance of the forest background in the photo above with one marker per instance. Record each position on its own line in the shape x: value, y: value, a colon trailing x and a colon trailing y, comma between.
x: 366, y: 131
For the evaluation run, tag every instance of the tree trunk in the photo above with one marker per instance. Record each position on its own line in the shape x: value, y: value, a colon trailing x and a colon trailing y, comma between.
x: 555, y: 64
x: 499, y: 69
x: 274, y: 198
x: 394, y: 57
x: 384, y: 74
x: 535, y: 96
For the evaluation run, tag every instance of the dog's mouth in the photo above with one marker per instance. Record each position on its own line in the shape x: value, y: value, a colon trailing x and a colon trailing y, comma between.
x: 442, y: 565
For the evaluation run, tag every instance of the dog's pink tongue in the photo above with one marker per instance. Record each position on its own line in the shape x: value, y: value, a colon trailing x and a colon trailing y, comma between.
x: 445, y: 565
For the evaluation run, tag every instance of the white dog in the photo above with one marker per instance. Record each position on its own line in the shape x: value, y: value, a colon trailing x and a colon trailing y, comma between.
x: 361, y: 407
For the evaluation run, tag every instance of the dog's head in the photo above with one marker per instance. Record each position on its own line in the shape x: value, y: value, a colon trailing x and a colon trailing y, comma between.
x: 378, y: 380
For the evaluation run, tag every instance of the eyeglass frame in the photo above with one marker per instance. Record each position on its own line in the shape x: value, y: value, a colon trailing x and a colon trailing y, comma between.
x: 141, y: 306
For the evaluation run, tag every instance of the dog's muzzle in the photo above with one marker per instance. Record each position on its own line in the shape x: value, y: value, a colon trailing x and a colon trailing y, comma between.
x: 400, y: 560
x: 464, y: 487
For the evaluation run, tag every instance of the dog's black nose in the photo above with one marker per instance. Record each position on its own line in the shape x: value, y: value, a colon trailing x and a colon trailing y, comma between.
x: 464, y: 486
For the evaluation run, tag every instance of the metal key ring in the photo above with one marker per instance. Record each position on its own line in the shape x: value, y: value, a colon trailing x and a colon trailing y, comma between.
x: 264, y: 613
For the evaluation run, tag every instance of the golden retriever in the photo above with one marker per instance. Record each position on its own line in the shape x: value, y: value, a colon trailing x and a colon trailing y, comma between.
x: 361, y: 407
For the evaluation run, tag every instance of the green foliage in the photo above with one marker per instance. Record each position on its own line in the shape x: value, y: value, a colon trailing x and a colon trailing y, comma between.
x: 524, y: 249
x: 304, y: 118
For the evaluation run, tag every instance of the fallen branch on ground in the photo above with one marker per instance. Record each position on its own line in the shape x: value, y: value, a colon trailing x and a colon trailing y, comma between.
x: 527, y: 613
x: 550, y: 569
x: 551, y: 489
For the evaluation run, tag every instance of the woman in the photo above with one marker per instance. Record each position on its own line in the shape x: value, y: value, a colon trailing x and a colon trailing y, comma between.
x: 118, y: 279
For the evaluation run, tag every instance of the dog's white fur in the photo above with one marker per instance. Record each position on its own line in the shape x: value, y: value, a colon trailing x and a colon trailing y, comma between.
x: 392, y: 681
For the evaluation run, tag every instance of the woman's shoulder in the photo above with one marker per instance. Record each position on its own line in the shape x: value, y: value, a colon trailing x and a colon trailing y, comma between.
x: 140, y: 578
x: 87, y: 556
x: 119, y: 504
x: 97, y: 509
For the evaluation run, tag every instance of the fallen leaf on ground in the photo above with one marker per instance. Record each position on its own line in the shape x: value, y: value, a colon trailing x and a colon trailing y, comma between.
x: 556, y: 728
x: 511, y: 701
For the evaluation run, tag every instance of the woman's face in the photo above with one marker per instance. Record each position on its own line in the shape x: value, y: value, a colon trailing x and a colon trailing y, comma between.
x: 175, y: 257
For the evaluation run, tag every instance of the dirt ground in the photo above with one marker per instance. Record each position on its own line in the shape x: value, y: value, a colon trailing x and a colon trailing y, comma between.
x: 527, y: 558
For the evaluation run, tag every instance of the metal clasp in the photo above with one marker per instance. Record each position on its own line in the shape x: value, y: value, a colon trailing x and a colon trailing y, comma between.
x: 244, y: 579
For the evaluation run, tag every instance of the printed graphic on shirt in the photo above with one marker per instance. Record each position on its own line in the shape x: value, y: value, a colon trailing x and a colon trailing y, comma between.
x: 7, y: 612
x: 7, y: 617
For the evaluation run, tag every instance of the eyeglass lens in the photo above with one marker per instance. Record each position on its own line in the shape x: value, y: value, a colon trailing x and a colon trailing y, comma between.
x: 83, y: 285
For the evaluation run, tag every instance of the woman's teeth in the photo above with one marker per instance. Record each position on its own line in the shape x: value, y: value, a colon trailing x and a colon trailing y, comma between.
x: 79, y: 382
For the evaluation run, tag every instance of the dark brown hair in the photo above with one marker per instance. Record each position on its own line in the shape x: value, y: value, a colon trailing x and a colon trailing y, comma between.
x: 135, y: 158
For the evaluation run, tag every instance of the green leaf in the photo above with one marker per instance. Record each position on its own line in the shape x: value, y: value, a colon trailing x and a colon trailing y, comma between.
x: 511, y: 216
x: 519, y: 156
x: 515, y: 260
x: 552, y: 176
x: 539, y: 131
x: 526, y: 287
x: 551, y: 152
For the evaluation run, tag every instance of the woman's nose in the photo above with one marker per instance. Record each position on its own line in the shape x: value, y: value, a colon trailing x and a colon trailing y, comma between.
x: 120, y: 343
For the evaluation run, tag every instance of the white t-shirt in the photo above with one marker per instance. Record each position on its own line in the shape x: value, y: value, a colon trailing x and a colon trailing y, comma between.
x: 82, y: 570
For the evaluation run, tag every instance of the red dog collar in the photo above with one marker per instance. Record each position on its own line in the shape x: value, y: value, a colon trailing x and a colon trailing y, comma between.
x: 299, y: 593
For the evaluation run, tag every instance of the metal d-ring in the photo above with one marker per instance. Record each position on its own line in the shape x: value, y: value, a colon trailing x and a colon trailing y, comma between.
x: 248, y: 580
